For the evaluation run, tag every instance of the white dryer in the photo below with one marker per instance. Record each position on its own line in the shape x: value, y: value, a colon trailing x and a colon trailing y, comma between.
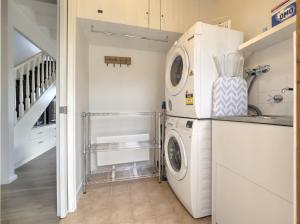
x: 188, y: 163
x: 190, y: 69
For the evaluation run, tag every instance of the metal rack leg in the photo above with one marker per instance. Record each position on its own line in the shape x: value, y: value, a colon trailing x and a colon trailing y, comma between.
x: 89, y: 165
x: 159, y: 147
x: 84, y: 153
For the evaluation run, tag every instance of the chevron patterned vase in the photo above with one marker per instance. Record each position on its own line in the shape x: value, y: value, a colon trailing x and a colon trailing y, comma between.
x: 230, y: 97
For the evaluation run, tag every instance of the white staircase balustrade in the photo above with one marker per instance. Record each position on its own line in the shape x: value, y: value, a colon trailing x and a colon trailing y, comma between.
x: 39, y: 73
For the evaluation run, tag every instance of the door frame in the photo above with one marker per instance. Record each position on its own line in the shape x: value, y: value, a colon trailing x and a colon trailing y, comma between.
x: 296, y: 117
x: 66, y: 155
x: 61, y: 93
x: 71, y: 103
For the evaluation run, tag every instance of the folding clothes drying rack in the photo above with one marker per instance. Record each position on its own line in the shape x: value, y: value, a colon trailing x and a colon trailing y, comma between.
x: 121, y: 157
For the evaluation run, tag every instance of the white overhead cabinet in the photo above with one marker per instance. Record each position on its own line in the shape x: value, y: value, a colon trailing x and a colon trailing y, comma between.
x: 166, y: 15
x: 129, y: 12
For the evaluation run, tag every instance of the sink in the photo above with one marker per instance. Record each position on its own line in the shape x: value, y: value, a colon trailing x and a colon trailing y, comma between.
x: 265, y: 119
x: 273, y: 117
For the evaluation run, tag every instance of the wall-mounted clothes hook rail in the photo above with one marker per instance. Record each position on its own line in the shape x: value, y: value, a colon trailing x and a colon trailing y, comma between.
x: 117, y: 60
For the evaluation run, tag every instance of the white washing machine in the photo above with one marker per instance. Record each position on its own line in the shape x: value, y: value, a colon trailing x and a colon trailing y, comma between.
x: 188, y: 163
x: 190, y: 69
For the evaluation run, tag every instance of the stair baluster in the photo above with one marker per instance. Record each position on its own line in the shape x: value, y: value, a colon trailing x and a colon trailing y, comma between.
x: 38, y: 81
x: 47, y: 72
x: 33, y: 95
x: 50, y: 70
x: 43, y: 74
x: 27, y: 88
x: 21, y: 95
x: 54, y: 70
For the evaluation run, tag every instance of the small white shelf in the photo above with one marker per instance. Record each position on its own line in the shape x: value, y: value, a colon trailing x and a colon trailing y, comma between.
x: 275, y: 35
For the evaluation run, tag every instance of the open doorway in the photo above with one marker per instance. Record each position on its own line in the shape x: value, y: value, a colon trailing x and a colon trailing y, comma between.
x: 28, y: 84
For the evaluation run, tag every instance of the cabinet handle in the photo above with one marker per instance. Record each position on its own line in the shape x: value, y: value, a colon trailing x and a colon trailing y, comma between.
x: 40, y: 133
x: 100, y: 11
x: 40, y: 142
x: 147, y: 13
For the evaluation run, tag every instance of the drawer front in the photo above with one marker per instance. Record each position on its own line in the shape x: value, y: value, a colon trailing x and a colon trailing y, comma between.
x: 52, y: 131
x: 239, y: 201
x: 39, y: 132
x: 40, y: 142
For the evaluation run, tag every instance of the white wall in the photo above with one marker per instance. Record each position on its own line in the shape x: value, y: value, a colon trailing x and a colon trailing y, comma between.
x: 139, y: 87
x: 25, y: 21
x: 247, y: 16
x: 136, y: 88
x: 82, y: 98
x: 23, y: 49
x: 7, y: 108
x: 281, y: 59
x: 251, y: 17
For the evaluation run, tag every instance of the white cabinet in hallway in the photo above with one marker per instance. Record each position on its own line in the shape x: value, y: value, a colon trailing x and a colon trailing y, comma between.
x: 41, y: 140
x: 166, y: 15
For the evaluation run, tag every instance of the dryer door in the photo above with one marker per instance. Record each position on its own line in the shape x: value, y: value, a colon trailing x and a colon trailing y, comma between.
x: 177, y: 70
x: 175, y: 155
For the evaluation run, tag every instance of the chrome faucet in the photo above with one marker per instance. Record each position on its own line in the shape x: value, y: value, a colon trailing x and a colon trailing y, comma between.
x: 287, y: 89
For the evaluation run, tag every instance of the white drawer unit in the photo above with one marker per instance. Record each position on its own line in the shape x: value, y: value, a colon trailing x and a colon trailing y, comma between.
x: 41, y: 140
x: 252, y: 173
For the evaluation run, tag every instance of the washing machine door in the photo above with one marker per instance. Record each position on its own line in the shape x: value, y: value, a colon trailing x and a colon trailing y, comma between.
x: 177, y: 70
x: 175, y: 155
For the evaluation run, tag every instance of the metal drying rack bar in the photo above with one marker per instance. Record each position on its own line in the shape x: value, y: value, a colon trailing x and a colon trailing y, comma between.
x: 90, y: 177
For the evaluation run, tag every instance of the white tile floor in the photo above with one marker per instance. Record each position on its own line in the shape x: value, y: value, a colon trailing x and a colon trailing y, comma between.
x: 135, y: 202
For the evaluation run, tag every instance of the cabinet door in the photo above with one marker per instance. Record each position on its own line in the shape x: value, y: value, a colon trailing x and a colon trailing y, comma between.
x: 155, y: 14
x: 130, y: 12
x: 172, y: 15
x: 240, y: 201
x: 179, y: 15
